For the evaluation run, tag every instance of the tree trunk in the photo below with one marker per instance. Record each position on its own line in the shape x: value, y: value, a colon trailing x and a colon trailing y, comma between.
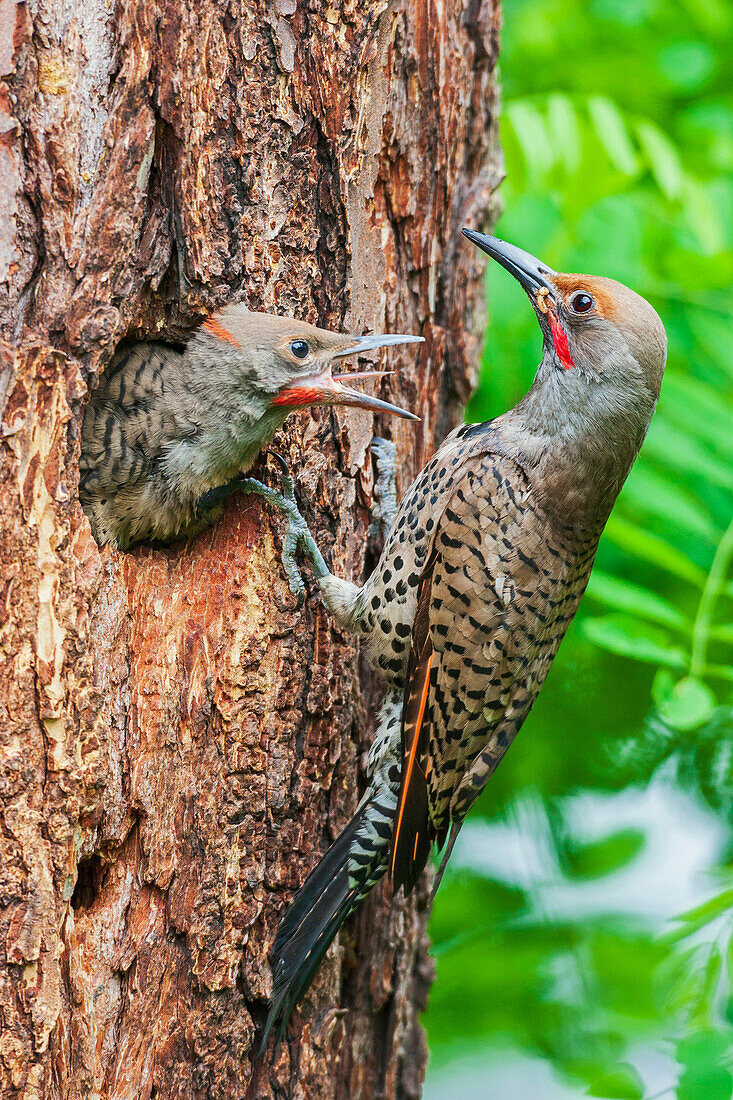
x: 179, y: 743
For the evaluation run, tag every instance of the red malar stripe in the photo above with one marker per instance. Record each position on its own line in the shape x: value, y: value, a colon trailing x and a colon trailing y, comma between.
x: 296, y: 397
x: 560, y: 341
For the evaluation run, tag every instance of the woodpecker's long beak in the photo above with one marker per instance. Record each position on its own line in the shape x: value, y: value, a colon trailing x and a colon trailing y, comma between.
x: 373, y: 343
x: 537, y: 279
x: 530, y: 273
x: 325, y: 389
x: 328, y: 389
x: 344, y: 395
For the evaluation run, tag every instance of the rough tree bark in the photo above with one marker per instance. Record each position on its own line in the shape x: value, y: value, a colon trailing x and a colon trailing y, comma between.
x: 179, y: 744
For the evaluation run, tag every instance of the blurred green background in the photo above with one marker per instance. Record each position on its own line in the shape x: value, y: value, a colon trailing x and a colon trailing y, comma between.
x: 583, y: 931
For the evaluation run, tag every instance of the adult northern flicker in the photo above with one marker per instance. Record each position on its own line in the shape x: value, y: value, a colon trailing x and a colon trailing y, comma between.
x: 484, y: 567
x: 167, y: 431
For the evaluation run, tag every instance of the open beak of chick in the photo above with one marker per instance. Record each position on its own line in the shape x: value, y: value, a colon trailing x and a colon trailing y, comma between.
x: 328, y: 388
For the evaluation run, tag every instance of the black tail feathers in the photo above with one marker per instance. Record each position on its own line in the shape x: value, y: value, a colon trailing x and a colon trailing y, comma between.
x: 311, y: 921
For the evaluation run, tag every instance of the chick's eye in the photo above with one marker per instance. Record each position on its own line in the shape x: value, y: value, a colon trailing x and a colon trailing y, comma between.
x: 300, y: 349
x: 581, y: 302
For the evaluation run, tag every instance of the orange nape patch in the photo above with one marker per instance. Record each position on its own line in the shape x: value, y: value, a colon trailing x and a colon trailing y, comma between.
x: 606, y: 304
x: 212, y: 326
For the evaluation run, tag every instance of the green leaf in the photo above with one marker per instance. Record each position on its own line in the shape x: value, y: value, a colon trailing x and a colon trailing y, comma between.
x: 613, y: 135
x: 620, y: 1082
x: 718, y: 672
x: 705, y: 1083
x: 531, y: 133
x: 688, y: 706
x: 713, y: 761
x: 625, y: 596
x: 603, y: 857
x: 663, y: 685
x: 681, y: 977
x: 692, y: 406
x: 687, y: 65
x: 653, y: 549
x: 625, y: 636
x: 706, y: 1003
x: 654, y: 494
x: 704, y: 1056
x: 663, y: 159
x: 681, y: 452
x: 565, y: 131
x: 709, y: 911
x: 714, y: 16
x: 703, y: 217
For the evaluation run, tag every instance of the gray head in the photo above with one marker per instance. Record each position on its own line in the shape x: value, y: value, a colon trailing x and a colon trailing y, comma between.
x: 604, y: 350
x: 604, y: 346
x: 283, y: 364
x: 596, y: 331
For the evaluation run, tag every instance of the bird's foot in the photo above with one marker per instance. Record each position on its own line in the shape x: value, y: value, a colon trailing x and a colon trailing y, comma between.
x: 297, y: 535
x: 214, y: 497
x: 384, y: 496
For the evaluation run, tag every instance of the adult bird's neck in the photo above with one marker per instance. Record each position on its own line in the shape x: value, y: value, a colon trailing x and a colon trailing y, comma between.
x: 576, y: 460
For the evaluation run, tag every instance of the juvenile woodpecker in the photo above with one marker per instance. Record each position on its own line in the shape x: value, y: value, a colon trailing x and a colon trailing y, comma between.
x: 167, y: 431
x: 484, y: 567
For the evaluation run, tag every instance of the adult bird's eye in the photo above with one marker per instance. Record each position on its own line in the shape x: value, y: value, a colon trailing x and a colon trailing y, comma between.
x: 300, y: 349
x: 581, y: 302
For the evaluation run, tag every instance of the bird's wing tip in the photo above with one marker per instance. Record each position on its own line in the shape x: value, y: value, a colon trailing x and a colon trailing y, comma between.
x: 276, y: 1022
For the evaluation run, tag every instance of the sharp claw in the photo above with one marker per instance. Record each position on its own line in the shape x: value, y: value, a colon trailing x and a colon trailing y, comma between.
x: 286, y: 480
x: 279, y: 459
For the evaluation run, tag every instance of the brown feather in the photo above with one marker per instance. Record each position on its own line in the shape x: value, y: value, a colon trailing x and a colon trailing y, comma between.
x: 411, y: 839
x: 483, y: 638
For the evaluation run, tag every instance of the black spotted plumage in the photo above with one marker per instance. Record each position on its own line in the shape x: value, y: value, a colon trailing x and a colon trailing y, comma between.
x: 482, y: 638
x: 482, y: 570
